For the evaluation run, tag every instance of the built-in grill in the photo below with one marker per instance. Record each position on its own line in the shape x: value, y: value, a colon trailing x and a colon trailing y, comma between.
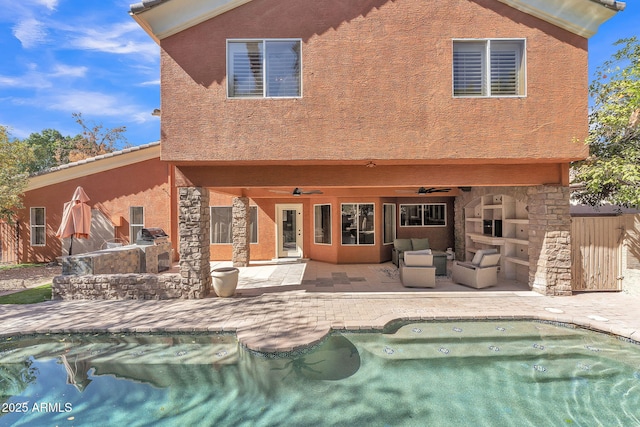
x: 151, y: 236
x: 154, y: 242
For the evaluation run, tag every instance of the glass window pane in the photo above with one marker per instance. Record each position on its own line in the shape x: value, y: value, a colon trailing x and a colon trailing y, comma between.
x: 245, y: 74
x: 468, y: 69
x: 366, y: 222
x: 505, y: 67
x: 221, y: 221
x: 136, y: 214
x: 39, y: 236
x: 38, y: 216
x: 435, y: 215
x: 389, y: 223
x: 322, y: 224
x: 283, y: 68
x: 349, y: 224
x: 411, y: 215
x: 253, y: 225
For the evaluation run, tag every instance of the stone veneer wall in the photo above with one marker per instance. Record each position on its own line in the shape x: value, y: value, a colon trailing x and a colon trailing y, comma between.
x: 241, y: 232
x: 193, y: 281
x: 121, y: 287
x: 549, y: 233
x: 124, y: 259
x: 194, y: 223
x: 550, y: 240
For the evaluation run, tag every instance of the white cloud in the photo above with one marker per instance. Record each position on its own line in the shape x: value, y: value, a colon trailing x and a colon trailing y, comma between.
x: 30, y: 32
x: 61, y: 70
x: 49, y: 4
x: 150, y: 83
x: 124, y: 38
x: 35, y: 79
x: 91, y: 103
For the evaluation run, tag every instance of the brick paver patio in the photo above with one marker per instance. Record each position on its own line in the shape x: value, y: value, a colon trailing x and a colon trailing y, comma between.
x: 284, y: 307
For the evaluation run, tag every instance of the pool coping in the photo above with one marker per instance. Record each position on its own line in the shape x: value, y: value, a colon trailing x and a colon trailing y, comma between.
x: 299, y: 326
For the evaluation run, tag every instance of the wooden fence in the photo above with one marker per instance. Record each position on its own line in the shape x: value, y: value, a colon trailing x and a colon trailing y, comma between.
x: 8, y: 243
x: 596, y: 254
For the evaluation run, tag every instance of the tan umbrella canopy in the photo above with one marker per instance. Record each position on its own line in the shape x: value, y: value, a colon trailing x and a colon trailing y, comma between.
x: 76, y: 218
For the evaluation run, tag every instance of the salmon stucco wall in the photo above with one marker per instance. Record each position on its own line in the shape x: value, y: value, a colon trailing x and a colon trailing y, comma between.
x: 335, y: 252
x: 376, y: 84
x: 113, y: 192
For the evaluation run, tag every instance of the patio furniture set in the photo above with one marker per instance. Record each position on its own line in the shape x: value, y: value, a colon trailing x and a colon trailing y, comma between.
x: 419, y: 265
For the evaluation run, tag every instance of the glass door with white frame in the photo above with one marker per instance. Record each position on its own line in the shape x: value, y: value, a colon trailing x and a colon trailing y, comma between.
x: 289, y: 224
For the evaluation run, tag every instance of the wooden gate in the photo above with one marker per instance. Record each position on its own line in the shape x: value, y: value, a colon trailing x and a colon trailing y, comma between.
x: 596, y: 253
x: 8, y: 243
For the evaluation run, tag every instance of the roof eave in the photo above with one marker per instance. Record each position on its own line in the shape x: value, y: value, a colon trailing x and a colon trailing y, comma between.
x: 581, y: 17
x: 93, y: 165
x: 164, y: 18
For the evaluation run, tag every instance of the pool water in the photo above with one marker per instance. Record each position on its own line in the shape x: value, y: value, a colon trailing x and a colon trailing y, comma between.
x: 429, y: 373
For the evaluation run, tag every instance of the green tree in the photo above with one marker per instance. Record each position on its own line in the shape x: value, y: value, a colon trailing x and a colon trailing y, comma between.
x: 50, y: 149
x: 611, y: 174
x: 14, y: 157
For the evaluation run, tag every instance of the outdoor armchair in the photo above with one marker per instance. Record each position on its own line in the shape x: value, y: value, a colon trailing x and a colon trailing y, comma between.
x: 481, y: 272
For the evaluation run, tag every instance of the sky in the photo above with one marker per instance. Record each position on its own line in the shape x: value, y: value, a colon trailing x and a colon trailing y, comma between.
x: 89, y: 56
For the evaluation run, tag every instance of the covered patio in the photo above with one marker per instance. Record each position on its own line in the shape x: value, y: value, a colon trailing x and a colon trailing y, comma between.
x: 308, y: 276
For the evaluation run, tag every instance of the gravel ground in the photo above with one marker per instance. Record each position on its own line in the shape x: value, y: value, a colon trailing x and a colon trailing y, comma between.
x: 26, y: 277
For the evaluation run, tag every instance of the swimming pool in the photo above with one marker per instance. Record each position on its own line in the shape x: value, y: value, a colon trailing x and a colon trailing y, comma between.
x: 429, y: 373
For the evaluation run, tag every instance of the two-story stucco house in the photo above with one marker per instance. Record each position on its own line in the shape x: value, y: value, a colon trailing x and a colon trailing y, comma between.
x: 325, y: 129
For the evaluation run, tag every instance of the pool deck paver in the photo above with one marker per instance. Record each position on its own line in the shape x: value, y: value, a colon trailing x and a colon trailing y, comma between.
x: 270, y: 315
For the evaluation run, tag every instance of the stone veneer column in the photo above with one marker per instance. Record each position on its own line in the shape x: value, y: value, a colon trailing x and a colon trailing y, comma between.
x: 194, y: 224
x: 549, y: 240
x: 241, y: 216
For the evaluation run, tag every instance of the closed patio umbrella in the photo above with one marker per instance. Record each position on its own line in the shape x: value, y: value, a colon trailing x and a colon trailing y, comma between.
x: 76, y: 218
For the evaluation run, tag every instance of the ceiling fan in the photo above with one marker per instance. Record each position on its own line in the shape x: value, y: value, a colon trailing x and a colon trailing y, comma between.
x: 297, y: 192
x: 423, y: 190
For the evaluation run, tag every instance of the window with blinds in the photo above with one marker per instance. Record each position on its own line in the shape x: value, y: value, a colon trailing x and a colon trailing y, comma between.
x: 264, y: 68
x: 488, y: 68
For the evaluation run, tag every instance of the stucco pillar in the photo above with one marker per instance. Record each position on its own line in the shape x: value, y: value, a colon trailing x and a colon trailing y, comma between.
x: 241, y: 218
x: 549, y: 240
x: 193, y: 227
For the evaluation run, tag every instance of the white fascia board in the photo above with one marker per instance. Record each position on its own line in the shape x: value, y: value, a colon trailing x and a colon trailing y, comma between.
x: 581, y: 17
x: 92, y: 166
x: 171, y: 17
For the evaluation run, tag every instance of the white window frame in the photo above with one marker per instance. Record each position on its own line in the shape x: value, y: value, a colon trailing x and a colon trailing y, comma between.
x: 315, y: 225
x: 486, y: 46
x: 358, y: 225
x: 252, y: 225
x: 422, y: 213
x: 264, y: 68
x: 33, y: 227
x: 133, y: 235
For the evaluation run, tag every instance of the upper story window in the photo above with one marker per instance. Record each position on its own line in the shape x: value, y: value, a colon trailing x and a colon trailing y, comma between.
x: 264, y: 68
x: 488, y: 68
